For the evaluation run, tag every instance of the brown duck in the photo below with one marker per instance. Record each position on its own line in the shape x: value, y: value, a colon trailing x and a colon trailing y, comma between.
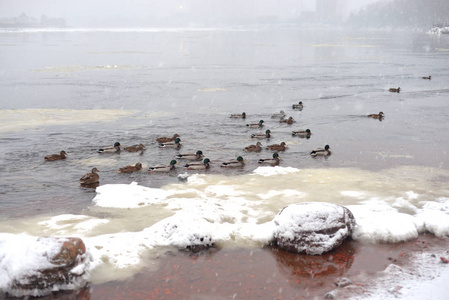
x: 277, y: 147
x: 90, y: 178
x: 135, y: 148
x: 167, y: 139
x: 394, y: 90
x: 61, y: 155
x: 378, y: 116
x: 289, y: 121
x: 130, y: 169
x: 254, y: 148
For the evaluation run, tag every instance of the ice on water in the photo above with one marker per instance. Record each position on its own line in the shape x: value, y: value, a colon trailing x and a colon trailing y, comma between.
x: 232, y: 211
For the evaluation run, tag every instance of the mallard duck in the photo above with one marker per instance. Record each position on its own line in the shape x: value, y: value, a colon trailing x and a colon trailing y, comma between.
x: 135, y: 148
x: 239, y: 116
x: 265, y: 135
x: 164, y: 168
x: 289, y: 121
x: 393, y: 90
x: 299, y: 105
x: 192, y: 156
x: 167, y: 139
x: 277, y: 147
x: 196, y: 165
x: 302, y: 133
x: 270, y: 161
x: 61, y: 155
x: 427, y: 77
x: 110, y: 149
x: 130, y: 169
x: 321, y: 152
x: 379, y: 116
x: 90, y: 178
x: 279, y: 115
x: 256, y: 125
x: 175, y: 144
x: 239, y: 162
x: 254, y: 148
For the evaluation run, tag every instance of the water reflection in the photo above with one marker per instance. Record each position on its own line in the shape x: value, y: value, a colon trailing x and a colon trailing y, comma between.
x: 322, y: 267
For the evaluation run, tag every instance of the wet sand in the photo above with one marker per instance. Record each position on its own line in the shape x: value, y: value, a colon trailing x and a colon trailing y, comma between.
x: 266, y: 273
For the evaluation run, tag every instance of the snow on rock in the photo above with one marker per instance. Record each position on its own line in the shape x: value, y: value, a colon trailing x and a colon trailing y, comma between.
x: 186, y: 232
x: 312, y: 228
x: 37, y: 266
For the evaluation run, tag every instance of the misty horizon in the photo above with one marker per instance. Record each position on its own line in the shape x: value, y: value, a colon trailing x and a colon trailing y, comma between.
x: 138, y: 13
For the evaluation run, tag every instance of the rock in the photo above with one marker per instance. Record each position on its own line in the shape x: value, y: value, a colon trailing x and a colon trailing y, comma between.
x: 64, y: 264
x: 342, y: 282
x: 178, y: 231
x: 312, y: 228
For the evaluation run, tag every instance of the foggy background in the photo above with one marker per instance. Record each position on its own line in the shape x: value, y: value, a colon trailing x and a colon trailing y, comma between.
x: 138, y: 13
x: 212, y: 13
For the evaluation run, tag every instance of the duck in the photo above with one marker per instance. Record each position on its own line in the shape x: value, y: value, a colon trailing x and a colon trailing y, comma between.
x: 238, y: 116
x: 302, y: 133
x: 196, y: 165
x: 175, y: 144
x: 299, y: 105
x: 265, y: 135
x: 60, y: 156
x: 165, y: 139
x: 289, y: 121
x: 90, y: 178
x: 277, y: 147
x: 164, y: 168
x: 256, y: 125
x: 254, y: 148
x: 130, y: 169
x: 270, y: 161
x: 427, y: 77
x: 378, y: 116
x: 192, y: 156
x: 239, y: 162
x: 135, y: 148
x: 279, y: 115
x: 394, y: 90
x: 321, y: 152
x: 110, y: 149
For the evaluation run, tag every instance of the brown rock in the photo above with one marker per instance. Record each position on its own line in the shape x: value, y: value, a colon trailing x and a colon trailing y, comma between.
x: 312, y: 228
x: 68, y: 269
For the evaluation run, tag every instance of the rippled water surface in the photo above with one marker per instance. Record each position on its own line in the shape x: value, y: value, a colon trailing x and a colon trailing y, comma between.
x: 81, y: 90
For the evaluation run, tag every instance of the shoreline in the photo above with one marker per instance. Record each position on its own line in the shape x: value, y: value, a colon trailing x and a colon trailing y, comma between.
x: 270, y: 273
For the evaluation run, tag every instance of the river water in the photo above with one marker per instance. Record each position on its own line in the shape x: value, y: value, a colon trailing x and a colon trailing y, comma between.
x: 80, y: 90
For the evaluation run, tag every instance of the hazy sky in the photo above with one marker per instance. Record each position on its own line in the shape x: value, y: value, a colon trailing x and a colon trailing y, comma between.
x: 79, y: 12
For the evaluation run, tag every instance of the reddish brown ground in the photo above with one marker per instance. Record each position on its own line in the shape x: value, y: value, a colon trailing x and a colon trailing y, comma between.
x: 257, y: 274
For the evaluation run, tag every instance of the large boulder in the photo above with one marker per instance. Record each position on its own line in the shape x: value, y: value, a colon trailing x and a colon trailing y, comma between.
x: 312, y: 228
x: 39, y: 266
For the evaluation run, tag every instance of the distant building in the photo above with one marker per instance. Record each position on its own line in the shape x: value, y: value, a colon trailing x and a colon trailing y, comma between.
x: 26, y: 21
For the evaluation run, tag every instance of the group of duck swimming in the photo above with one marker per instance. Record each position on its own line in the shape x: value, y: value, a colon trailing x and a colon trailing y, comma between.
x: 282, y: 146
x: 92, y: 179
